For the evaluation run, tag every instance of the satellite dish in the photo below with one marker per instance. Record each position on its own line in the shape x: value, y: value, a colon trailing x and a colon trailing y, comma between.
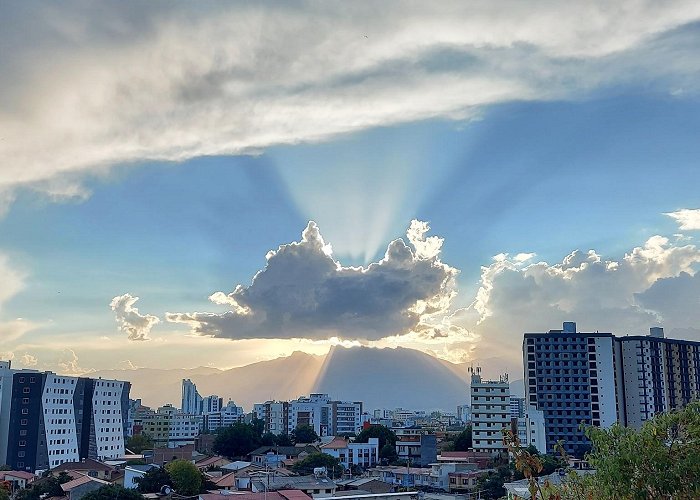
x: 166, y: 490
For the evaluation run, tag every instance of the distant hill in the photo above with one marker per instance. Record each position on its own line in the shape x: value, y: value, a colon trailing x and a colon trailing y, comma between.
x: 381, y: 378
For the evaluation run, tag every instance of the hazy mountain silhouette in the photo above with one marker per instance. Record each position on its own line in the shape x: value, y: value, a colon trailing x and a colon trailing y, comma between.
x: 381, y: 378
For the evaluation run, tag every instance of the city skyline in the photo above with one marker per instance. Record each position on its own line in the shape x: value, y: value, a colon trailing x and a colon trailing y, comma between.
x: 225, y: 184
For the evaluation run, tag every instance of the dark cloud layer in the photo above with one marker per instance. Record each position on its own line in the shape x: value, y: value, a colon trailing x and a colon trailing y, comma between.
x: 304, y: 292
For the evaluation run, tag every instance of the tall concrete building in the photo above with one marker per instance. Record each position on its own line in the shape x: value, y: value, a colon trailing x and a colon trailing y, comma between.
x: 191, y: 400
x: 55, y: 419
x: 570, y: 377
x: 490, y: 405
x: 655, y: 375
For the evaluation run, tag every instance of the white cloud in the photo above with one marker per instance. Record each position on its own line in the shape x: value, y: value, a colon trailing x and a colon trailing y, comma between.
x: 68, y: 363
x: 28, y: 360
x: 654, y: 283
x: 127, y: 365
x: 87, y: 86
x: 304, y: 293
x: 136, y: 326
x: 688, y: 219
x: 7, y: 355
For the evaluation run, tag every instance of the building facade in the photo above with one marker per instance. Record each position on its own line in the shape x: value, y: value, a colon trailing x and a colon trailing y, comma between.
x: 490, y: 404
x: 55, y: 419
x: 327, y: 417
x: 655, y: 375
x: 570, y: 377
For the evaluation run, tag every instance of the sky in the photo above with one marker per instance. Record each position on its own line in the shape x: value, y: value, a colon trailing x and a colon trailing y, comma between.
x: 219, y: 183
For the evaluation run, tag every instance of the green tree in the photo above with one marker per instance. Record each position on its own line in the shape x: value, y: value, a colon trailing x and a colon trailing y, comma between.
x: 236, y: 440
x: 314, y: 460
x: 388, y: 453
x: 463, y: 442
x: 139, y: 442
x: 268, y: 439
x: 258, y: 426
x: 304, y: 434
x: 4, y: 493
x: 187, y: 479
x: 112, y: 492
x: 153, y: 480
x: 660, y: 460
x: 385, y: 435
x: 283, y: 440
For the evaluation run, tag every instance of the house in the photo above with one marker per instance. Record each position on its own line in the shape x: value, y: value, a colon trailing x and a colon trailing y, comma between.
x: 311, y: 485
x: 366, y: 484
x: 403, y: 476
x: 481, y: 459
x: 349, y: 453
x: 226, y: 482
x: 350, y: 495
x: 79, y: 487
x: 519, y: 490
x: 162, y: 456
x: 18, y: 479
x: 212, y: 462
x: 88, y: 467
x: 247, y: 495
x: 133, y: 472
x: 274, y: 456
x: 247, y: 471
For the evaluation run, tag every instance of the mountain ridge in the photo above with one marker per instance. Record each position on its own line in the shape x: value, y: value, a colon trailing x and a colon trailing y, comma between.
x: 380, y: 378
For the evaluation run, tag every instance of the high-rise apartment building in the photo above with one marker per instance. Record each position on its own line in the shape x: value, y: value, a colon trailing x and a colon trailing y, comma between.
x: 490, y: 405
x: 655, y: 375
x: 55, y: 419
x: 570, y: 378
x: 191, y: 400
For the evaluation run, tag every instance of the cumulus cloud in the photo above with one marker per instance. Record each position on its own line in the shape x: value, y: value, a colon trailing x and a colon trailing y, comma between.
x: 28, y: 360
x: 68, y: 363
x: 137, y: 326
x: 652, y: 284
x: 688, y: 219
x: 87, y: 86
x: 303, y: 292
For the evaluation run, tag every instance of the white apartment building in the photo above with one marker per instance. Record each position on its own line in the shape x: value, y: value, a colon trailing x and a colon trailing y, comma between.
x: 108, y: 418
x: 191, y: 400
x: 531, y: 430
x: 490, y: 403
x: 349, y: 453
x: 326, y: 416
x: 59, y: 420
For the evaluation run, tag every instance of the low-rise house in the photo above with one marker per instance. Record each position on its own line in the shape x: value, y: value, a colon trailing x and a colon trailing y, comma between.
x: 366, y: 484
x: 359, y: 495
x: 275, y: 456
x: 212, y: 462
x: 79, y: 487
x: 481, y: 459
x: 519, y: 490
x: 18, y: 479
x: 162, y: 456
x: 248, y: 495
x: 365, y: 455
x: 408, y: 477
x: 416, y: 446
x: 226, y: 482
x: 311, y: 485
x: 87, y: 467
